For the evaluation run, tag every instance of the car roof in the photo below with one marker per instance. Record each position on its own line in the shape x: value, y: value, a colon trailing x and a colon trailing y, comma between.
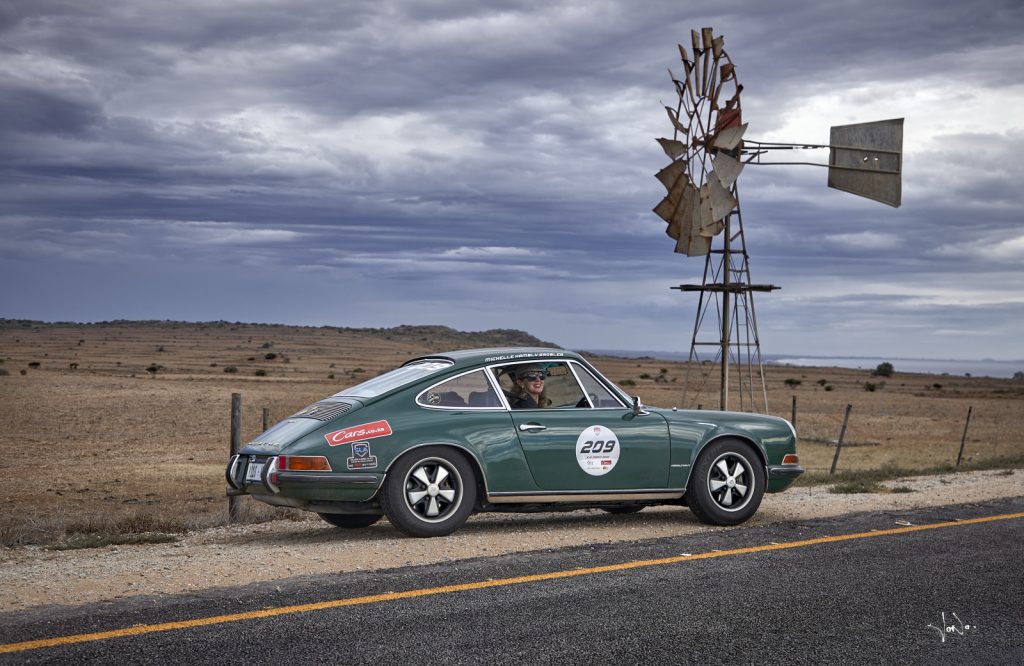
x: 470, y: 357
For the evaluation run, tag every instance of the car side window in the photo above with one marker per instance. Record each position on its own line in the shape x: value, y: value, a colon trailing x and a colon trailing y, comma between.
x: 599, y: 396
x: 469, y: 390
x: 561, y: 390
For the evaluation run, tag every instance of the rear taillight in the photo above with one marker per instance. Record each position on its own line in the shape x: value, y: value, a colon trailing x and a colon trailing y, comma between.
x: 791, y: 459
x: 303, y: 464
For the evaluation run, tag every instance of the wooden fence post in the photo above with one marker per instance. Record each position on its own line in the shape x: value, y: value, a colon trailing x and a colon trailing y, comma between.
x: 793, y: 420
x: 266, y: 418
x: 839, y: 444
x: 236, y: 438
x: 963, y: 440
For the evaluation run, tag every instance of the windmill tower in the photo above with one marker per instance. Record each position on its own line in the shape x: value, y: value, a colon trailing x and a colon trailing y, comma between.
x: 708, y: 152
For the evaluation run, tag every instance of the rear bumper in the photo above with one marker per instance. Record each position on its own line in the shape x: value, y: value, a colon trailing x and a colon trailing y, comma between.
x: 300, y: 486
x: 781, y: 477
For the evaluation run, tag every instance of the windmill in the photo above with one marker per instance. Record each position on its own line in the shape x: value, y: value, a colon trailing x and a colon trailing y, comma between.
x: 708, y: 151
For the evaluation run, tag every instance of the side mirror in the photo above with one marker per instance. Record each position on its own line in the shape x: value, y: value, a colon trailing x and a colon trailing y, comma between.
x: 638, y: 409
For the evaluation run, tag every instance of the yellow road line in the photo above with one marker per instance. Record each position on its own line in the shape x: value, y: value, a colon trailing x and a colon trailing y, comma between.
x: 141, y: 629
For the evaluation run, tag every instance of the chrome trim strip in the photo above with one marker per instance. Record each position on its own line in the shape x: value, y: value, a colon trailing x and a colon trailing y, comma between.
x: 314, y: 477
x: 582, y: 496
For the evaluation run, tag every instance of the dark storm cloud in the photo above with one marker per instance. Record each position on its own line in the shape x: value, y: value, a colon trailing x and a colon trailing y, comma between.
x: 439, y: 153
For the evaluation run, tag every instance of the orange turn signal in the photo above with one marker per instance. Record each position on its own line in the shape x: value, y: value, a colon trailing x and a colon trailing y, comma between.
x: 303, y: 463
x: 791, y: 459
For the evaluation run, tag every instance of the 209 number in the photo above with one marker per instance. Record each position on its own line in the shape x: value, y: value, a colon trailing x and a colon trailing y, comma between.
x: 599, y: 446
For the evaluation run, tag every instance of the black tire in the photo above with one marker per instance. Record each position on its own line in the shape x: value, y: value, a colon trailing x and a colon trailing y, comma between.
x: 350, y: 521
x: 727, y: 483
x: 429, y: 492
x: 622, y: 510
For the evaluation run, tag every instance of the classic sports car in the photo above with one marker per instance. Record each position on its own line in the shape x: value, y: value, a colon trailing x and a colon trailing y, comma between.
x: 445, y: 435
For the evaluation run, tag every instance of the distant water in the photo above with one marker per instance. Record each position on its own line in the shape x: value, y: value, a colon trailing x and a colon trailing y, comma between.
x: 982, y: 368
x: 985, y: 368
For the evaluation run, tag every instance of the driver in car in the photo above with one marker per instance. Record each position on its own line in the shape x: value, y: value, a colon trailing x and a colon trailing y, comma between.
x: 528, y: 387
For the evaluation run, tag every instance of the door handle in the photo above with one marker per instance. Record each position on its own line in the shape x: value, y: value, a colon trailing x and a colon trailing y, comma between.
x: 531, y: 427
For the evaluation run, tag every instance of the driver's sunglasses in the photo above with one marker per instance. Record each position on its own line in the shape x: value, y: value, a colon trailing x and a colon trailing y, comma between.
x: 534, y: 376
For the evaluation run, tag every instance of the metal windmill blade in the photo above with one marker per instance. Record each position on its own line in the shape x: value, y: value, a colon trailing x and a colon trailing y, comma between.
x: 702, y: 210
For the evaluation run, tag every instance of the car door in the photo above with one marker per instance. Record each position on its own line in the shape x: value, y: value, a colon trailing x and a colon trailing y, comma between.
x: 594, y: 449
x: 576, y: 444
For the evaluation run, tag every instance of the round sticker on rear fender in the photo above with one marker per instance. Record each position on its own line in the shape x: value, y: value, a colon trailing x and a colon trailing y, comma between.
x: 597, y: 450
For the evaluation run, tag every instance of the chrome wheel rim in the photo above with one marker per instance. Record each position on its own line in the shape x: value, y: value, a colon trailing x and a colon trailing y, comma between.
x: 433, y: 490
x: 731, y: 481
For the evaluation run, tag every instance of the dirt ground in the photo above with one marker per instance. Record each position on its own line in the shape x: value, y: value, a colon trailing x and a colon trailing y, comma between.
x: 32, y: 577
x: 92, y: 440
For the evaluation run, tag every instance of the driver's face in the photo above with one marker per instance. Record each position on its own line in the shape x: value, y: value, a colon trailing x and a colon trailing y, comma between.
x: 533, y: 383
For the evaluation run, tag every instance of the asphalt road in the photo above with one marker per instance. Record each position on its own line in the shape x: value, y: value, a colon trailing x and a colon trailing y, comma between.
x: 810, y: 592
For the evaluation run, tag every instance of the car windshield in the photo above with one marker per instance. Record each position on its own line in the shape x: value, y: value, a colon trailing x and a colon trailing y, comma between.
x: 392, y: 380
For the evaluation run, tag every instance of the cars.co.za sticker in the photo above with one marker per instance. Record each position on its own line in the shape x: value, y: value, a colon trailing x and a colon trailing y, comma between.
x: 359, y: 432
x: 597, y: 450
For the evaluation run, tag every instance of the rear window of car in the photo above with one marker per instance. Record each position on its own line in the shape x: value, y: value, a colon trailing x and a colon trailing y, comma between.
x: 396, y: 378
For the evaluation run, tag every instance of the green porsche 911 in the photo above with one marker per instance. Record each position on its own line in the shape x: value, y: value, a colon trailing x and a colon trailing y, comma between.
x: 516, y: 429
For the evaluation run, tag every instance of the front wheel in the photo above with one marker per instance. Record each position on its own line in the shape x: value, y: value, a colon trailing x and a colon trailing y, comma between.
x: 350, y: 520
x: 429, y: 492
x: 727, y: 483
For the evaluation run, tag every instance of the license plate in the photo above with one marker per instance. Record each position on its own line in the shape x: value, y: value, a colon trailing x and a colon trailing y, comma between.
x: 254, y: 472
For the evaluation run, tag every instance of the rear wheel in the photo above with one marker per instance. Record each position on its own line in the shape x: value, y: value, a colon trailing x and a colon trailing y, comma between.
x: 727, y: 483
x: 429, y: 492
x: 350, y: 520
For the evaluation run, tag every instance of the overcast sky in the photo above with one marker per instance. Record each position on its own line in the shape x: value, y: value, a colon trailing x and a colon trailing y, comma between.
x: 490, y: 165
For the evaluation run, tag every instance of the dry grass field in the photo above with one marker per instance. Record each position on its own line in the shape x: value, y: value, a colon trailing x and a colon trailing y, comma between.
x: 125, y: 426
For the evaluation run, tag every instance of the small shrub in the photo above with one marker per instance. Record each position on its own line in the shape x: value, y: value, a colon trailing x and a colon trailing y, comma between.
x: 627, y: 382
x: 34, y: 364
x: 73, y: 366
x: 160, y: 348
x: 357, y: 371
x: 937, y: 387
x: 251, y: 358
x: 645, y: 376
x: 792, y: 383
x: 270, y: 356
x: 330, y: 376
x: 902, y: 489
x: 260, y: 372
x: 870, y: 386
x: 24, y: 371
x: 154, y: 368
x: 230, y: 369
x: 884, y: 369
x: 829, y: 387
x: 213, y: 365
x: 266, y: 345
x: 822, y: 382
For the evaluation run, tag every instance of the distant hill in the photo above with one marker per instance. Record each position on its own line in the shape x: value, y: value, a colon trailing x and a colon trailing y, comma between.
x: 439, y: 337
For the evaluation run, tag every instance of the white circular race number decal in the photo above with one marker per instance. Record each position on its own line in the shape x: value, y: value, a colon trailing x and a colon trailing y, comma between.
x: 597, y: 450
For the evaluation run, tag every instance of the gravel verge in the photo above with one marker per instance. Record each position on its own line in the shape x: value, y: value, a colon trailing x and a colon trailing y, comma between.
x: 32, y: 576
